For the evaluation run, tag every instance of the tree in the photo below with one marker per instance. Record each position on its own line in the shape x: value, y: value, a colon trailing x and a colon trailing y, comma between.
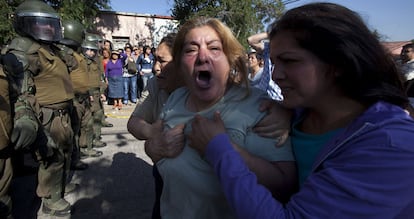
x: 6, y: 24
x: 244, y: 17
x: 80, y: 10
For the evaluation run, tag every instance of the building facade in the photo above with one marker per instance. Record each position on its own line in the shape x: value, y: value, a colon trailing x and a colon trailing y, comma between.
x: 137, y: 29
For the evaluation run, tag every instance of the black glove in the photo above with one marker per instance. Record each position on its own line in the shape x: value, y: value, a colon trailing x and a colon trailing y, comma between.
x: 24, y: 133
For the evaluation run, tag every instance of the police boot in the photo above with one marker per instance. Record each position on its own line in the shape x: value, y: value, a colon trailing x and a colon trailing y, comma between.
x: 85, y: 153
x: 98, y: 143
x: 107, y: 124
x: 56, y: 207
x: 79, y: 165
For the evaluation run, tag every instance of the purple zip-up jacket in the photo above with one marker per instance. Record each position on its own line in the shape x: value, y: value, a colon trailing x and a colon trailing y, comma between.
x: 366, y: 171
x: 115, y: 69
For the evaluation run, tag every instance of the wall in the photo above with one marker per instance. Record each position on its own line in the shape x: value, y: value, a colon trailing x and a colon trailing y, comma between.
x: 138, y: 29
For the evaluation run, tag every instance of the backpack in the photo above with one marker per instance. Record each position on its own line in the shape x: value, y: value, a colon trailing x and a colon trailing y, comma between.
x: 132, y: 67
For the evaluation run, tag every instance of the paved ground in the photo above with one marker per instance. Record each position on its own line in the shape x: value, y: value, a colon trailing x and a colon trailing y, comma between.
x: 117, y: 185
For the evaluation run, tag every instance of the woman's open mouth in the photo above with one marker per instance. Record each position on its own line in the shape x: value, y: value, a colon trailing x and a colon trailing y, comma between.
x: 203, y: 79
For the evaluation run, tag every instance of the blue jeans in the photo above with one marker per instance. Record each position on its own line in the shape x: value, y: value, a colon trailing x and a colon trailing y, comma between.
x: 130, y: 88
x: 145, y: 78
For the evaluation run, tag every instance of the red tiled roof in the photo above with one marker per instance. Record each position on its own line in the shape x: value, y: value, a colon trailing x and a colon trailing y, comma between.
x: 395, y: 47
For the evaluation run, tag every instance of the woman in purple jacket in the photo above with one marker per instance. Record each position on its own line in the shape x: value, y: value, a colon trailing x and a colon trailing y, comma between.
x: 113, y: 74
x: 351, y: 136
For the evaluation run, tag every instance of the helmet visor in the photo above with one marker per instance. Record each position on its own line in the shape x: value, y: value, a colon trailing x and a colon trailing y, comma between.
x: 42, y: 28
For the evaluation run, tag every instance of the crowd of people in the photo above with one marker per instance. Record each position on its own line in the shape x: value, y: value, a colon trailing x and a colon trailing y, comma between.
x: 313, y: 121
x: 126, y: 72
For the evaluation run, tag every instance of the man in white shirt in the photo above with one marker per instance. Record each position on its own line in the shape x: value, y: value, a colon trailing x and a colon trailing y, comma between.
x: 260, y: 43
x: 407, y: 60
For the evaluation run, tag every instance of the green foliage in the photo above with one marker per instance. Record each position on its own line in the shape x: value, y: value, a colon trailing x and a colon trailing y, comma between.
x: 80, y: 10
x: 6, y: 25
x: 244, y: 17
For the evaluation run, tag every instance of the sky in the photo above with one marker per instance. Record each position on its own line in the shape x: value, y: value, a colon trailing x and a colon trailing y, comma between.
x: 393, y: 19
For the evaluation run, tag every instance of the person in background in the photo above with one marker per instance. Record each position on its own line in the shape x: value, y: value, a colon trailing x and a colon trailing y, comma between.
x: 135, y: 53
x: 97, y: 74
x: 154, y: 54
x: 96, y: 37
x: 140, y: 50
x: 130, y: 72
x: 260, y: 43
x: 255, y: 68
x: 106, y: 56
x: 205, y: 63
x: 351, y: 135
x: 407, y: 61
x: 113, y: 75
x: 108, y: 45
x: 407, y: 69
x: 140, y: 83
x: 102, y: 85
x: 128, y: 45
x: 70, y: 47
x: 89, y: 52
x: 145, y: 63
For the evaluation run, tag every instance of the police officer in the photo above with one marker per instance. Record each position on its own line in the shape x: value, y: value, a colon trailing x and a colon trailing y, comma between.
x: 99, y: 61
x: 95, y: 79
x: 34, y: 55
x: 89, y: 51
x: 82, y: 122
x: 6, y: 123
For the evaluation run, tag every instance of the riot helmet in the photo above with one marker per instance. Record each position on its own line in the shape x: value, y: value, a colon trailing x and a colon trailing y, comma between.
x: 73, y: 33
x: 95, y: 38
x: 89, y: 49
x: 38, y: 20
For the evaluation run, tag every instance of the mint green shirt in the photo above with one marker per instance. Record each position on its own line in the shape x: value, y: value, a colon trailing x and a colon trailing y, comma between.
x: 191, y: 189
